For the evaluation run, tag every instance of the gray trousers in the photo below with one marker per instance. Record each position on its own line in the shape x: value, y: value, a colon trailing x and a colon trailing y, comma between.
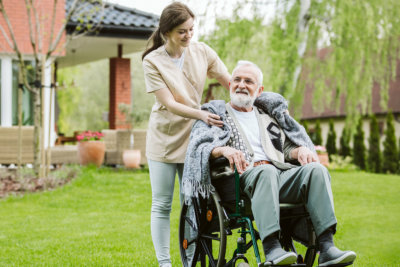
x: 162, y: 177
x: 267, y: 186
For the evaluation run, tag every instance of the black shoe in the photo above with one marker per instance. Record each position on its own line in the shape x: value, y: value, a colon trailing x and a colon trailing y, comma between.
x: 335, y: 256
x: 280, y: 257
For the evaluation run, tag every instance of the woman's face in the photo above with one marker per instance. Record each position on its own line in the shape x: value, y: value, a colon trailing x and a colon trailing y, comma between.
x: 181, y: 34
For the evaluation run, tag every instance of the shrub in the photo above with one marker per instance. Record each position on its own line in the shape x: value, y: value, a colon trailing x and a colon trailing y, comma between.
x: 359, y: 147
x: 331, y: 140
x: 374, y: 150
x: 317, y: 137
x: 390, y: 155
x: 339, y: 163
x: 345, y: 149
x: 305, y: 125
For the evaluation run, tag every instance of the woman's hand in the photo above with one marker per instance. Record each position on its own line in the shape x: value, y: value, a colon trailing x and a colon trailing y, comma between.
x: 211, y: 118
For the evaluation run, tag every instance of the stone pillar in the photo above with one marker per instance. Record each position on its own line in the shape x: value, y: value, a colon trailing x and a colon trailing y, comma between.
x: 120, y: 90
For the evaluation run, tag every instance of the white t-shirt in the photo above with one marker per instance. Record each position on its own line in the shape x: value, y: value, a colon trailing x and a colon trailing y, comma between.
x: 178, y: 61
x: 248, y: 122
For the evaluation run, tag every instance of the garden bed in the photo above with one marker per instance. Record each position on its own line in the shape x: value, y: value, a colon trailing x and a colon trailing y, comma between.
x: 10, y: 184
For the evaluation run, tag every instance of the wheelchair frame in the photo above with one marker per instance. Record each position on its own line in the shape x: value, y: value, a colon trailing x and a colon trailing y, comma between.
x: 203, y: 210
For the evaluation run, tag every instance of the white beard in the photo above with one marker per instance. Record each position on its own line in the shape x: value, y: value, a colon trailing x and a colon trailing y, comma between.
x: 241, y: 100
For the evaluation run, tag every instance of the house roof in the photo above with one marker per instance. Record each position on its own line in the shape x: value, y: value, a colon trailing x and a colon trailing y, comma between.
x: 120, y: 26
x: 118, y: 21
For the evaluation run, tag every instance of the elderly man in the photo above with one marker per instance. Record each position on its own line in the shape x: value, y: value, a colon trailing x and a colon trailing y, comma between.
x: 264, y: 142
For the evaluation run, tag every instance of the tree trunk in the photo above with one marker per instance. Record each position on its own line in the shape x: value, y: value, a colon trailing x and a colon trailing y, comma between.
x: 20, y: 92
x: 43, y: 97
x: 302, y: 31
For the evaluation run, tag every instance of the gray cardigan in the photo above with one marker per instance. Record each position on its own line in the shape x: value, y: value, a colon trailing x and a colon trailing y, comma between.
x: 204, y: 138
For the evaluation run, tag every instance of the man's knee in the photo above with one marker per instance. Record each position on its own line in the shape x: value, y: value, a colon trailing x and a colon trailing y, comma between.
x: 317, y: 173
x: 265, y: 176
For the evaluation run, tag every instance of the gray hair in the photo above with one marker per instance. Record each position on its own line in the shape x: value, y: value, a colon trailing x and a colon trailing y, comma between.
x: 242, y: 63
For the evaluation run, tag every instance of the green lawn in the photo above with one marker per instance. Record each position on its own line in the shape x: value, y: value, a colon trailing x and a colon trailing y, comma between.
x: 103, y: 219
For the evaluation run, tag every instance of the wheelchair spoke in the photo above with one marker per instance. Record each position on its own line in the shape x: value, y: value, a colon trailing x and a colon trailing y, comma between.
x: 208, y: 252
x: 211, y: 237
x: 195, y: 256
x: 196, y: 211
x: 189, y: 221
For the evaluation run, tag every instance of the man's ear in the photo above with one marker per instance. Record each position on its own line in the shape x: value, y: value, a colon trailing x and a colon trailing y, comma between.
x: 260, y: 90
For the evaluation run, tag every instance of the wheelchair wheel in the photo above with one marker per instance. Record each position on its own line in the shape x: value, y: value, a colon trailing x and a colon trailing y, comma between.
x: 202, y: 238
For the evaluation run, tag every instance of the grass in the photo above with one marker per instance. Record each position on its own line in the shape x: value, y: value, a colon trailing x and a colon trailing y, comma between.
x: 103, y: 219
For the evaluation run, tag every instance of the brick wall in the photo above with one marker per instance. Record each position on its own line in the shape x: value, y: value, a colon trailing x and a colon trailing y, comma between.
x: 18, y: 17
x: 120, y: 90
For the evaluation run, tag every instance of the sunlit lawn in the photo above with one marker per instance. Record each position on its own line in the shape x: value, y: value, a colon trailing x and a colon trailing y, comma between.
x: 103, y: 219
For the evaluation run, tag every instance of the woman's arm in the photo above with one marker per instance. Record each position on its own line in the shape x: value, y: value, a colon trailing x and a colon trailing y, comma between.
x: 165, y: 97
x: 224, y: 80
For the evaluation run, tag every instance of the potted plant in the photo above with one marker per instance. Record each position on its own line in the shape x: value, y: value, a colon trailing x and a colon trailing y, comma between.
x: 131, y: 157
x: 91, y: 148
x: 322, y: 155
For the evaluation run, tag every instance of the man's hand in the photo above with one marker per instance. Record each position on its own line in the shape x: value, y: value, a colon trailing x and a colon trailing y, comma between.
x: 304, y: 155
x: 235, y: 157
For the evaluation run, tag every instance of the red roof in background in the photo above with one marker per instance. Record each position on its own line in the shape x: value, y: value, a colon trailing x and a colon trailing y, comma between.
x: 393, y: 104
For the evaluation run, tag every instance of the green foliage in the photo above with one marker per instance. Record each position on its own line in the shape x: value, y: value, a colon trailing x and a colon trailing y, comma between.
x: 361, y: 48
x: 68, y: 99
x: 133, y: 116
x: 316, y: 136
x: 331, y: 140
x: 374, y: 150
x: 390, y: 154
x: 305, y: 125
x: 344, y: 164
x: 345, y: 149
x: 350, y: 45
x: 359, y: 146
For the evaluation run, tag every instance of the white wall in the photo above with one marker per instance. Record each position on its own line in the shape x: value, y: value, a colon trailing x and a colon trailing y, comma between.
x: 6, y: 90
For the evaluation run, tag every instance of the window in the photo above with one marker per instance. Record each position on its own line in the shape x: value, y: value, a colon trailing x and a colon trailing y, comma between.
x: 27, y: 96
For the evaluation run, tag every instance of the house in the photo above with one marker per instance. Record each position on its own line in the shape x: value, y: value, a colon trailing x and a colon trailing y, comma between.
x: 311, y: 115
x: 121, y: 31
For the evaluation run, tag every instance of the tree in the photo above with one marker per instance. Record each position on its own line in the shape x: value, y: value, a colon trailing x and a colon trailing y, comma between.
x: 359, y: 146
x: 342, y: 46
x: 331, y: 140
x: 47, y: 39
x: 390, y: 155
x: 345, y: 149
x: 374, y: 151
x: 317, y: 135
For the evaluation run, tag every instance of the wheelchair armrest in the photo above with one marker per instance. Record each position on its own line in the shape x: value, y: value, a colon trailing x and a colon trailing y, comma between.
x: 219, y: 162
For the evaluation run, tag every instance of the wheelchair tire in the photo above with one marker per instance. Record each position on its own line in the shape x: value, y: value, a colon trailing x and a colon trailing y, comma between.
x: 201, y: 233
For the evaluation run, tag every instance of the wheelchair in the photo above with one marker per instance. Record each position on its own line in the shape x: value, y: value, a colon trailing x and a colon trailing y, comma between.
x: 205, y: 225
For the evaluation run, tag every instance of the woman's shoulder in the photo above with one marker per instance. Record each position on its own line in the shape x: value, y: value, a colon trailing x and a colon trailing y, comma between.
x: 199, y: 46
x: 154, y: 55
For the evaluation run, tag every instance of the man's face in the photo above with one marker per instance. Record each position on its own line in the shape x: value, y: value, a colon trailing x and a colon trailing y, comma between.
x: 244, y: 87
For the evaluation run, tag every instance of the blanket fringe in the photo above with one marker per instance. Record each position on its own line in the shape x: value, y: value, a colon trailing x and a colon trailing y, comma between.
x: 192, y: 188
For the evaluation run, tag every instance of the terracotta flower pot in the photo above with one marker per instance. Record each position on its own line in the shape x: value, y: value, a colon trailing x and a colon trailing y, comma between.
x: 131, y: 158
x: 323, y: 158
x: 91, y: 152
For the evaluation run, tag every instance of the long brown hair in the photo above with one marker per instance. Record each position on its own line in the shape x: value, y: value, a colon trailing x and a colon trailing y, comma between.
x: 173, y: 15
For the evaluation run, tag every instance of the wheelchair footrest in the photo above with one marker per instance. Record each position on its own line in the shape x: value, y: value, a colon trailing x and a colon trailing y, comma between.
x: 339, y: 264
x: 267, y: 264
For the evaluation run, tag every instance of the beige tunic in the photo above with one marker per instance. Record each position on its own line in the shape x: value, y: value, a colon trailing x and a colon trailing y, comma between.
x: 168, y: 134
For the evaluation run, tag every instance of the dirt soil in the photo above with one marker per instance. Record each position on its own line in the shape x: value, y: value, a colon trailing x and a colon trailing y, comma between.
x: 10, y: 184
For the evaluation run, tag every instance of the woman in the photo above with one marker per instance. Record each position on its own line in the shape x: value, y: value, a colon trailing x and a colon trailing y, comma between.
x: 175, y: 71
